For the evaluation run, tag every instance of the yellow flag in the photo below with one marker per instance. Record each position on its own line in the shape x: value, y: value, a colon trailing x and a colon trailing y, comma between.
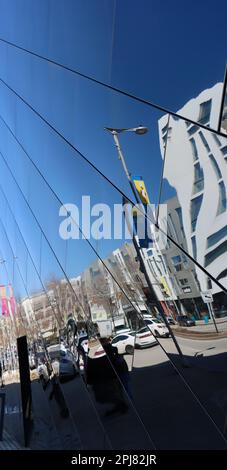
x: 141, y: 189
x: 165, y: 285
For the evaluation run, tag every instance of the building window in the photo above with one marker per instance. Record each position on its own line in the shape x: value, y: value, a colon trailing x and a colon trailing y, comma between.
x: 204, y: 141
x: 177, y: 262
x: 214, y: 254
x: 194, y: 149
x: 215, y: 137
x: 222, y: 198
x: 224, y: 150
x: 198, y: 178
x: 216, y: 237
x: 215, y: 166
x: 194, y: 247
x: 204, y: 112
x: 180, y: 217
x: 222, y: 275
x: 173, y: 229
x: 164, y: 129
x: 166, y: 136
x: 186, y: 290
x: 192, y: 130
x: 195, y: 208
x: 183, y: 282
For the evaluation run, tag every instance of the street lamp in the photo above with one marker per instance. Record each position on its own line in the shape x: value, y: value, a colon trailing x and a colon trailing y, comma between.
x: 140, y: 130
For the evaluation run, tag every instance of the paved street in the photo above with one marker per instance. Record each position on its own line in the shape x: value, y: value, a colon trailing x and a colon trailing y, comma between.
x: 203, y: 327
x: 171, y: 417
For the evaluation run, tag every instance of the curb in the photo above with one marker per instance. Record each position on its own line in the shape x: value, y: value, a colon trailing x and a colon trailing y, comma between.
x: 199, y: 334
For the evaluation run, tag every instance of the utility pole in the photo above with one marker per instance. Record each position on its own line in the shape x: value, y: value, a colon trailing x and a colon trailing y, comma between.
x: 142, y: 130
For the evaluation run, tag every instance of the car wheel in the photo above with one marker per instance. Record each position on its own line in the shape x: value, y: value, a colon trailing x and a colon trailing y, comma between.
x: 129, y: 349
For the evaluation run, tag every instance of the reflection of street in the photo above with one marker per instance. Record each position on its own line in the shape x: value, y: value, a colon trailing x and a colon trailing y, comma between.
x: 202, y: 327
x: 168, y: 410
x: 190, y: 347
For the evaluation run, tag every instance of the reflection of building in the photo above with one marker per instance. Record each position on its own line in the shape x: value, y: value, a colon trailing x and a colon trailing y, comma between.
x: 104, y: 295
x: 196, y: 164
x: 180, y: 269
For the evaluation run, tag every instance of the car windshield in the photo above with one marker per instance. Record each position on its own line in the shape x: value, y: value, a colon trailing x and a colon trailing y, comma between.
x: 141, y: 330
x: 57, y: 354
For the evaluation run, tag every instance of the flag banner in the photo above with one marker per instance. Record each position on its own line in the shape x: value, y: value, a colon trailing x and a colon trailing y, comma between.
x: 7, y: 300
x: 138, y: 224
x: 5, y: 306
x: 165, y: 286
x: 141, y: 189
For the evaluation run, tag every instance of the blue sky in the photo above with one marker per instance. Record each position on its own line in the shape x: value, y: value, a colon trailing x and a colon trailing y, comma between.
x: 165, y: 51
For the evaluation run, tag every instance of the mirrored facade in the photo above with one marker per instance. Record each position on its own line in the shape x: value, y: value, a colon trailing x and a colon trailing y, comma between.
x: 113, y: 241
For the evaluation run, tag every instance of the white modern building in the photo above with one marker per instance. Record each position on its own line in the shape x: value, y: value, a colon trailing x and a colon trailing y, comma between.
x: 196, y: 166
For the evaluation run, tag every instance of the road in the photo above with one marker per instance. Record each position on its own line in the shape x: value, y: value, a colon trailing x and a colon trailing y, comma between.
x: 203, y: 327
x: 170, y: 410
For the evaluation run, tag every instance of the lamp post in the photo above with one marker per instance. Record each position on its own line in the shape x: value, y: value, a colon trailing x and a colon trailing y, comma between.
x: 141, y: 130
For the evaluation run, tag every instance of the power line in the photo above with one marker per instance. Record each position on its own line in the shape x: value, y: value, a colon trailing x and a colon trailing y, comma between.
x: 59, y: 134
x: 111, y: 87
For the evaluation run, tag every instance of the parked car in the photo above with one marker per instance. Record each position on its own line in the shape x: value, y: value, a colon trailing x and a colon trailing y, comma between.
x: 144, y: 338
x: 220, y: 312
x: 63, y: 361
x: 122, y: 330
x: 124, y: 343
x: 67, y: 367
x: 157, y: 327
x: 184, y: 320
x: 171, y: 321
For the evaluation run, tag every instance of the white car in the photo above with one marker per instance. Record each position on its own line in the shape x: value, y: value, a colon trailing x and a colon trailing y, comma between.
x: 124, y: 342
x: 144, y: 338
x: 157, y: 327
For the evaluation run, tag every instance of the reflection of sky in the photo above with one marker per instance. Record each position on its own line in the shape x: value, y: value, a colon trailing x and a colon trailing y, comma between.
x: 149, y: 52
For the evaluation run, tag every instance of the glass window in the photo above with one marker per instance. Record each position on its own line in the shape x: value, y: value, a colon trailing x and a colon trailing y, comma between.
x: 194, y: 148
x: 217, y: 140
x: 164, y: 129
x: 222, y: 198
x: 119, y: 338
x: 224, y: 150
x: 179, y: 213
x: 205, y: 143
x: 176, y: 259
x: 194, y: 247
x: 177, y: 262
x: 210, y: 257
x: 217, y: 236
x: 195, y: 208
x: 192, y: 129
x: 198, y: 178
x: 204, y: 112
x: 183, y: 282
x: 215, y: 166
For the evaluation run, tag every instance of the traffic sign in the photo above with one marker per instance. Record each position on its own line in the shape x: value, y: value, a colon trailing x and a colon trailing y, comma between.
x: 207, y: 296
